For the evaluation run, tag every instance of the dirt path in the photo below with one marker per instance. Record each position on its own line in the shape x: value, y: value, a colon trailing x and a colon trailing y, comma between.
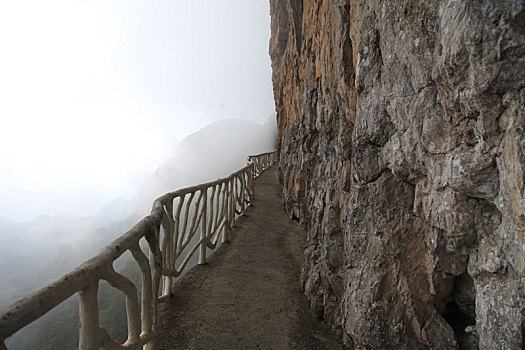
x: 248, y: 296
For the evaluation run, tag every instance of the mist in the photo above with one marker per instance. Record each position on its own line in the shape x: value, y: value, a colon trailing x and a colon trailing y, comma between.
x: 95, y: 95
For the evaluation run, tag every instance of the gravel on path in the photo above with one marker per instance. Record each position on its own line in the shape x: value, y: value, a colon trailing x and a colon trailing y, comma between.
x: 248, y: 295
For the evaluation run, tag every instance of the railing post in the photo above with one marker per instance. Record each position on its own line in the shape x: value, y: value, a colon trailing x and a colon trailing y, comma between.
x: 202, y: 248
x: 225, y: 237
x: 166, y: 285
x: 226, y: 212
x: 89, y: 333
x: 233, y: 202
x: 241, y: 194
x: 252, y: 177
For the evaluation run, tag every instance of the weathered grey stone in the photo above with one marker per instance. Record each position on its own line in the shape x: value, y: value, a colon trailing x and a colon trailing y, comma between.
x: 402, y: 151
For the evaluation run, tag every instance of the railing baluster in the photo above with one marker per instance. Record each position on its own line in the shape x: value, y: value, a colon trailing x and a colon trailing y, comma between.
x: 225, y: 214
x: 211, y: 221
x: 169, y: 252
x: 122, y: 283
x: 89, y: 332
x: 178, y: 234
x: 186, y: 215
x: 202, y: 251
x: 195, y: 220
x: 216, y: 208
x: 232, y: 203
x: 167, y: 243
x: 155, y: 266
x: 243, y: 188
x: 146, y: 297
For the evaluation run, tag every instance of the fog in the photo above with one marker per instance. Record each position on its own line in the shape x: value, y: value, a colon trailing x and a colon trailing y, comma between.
x: 95, y: 95
x: 104, y: 105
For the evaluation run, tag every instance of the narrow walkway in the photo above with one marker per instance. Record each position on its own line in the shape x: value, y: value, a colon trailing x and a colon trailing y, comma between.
x: 248, y: 296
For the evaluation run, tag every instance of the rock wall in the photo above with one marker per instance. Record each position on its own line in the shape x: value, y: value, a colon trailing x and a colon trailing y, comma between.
x: 402, y: 151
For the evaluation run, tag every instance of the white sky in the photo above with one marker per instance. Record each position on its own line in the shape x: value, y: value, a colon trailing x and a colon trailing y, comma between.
x: 94, y: 95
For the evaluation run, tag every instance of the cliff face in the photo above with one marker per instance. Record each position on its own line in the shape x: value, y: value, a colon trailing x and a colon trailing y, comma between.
x: 402, y: 150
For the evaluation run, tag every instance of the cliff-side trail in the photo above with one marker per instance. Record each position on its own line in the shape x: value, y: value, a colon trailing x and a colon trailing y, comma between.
x: 248, y: 296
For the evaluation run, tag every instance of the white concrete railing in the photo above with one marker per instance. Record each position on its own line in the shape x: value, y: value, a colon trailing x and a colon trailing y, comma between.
x: 171, y: 236
x: 263, y: 161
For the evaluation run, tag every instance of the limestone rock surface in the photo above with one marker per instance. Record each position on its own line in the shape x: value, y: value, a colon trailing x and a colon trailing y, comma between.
x: 402, y: 151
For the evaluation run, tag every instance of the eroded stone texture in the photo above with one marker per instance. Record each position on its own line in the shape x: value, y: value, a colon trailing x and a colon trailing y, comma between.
x: 313, y: 66
x: 402, y: 150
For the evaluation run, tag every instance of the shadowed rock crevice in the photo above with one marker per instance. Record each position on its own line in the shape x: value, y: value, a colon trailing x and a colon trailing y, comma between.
x: 460, y: 312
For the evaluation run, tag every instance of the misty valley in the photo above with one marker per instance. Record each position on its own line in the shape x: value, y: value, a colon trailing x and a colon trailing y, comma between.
x: 35, y: 252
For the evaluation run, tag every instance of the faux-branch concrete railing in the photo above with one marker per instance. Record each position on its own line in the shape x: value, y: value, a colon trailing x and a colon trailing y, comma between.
x: 209, y: 208
x: 262, y: 161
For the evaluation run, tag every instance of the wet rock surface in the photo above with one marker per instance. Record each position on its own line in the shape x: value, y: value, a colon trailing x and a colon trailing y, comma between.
x: 402, y: 152
x: 248, y: 296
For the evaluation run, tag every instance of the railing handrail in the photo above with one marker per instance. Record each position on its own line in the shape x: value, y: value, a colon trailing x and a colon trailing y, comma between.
x: 39, y: 302
x: 186, y: 190
x: 236, y: 191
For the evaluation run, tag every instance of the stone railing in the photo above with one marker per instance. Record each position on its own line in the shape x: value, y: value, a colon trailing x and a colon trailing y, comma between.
x: 180, y: 223
x: 262, y: 161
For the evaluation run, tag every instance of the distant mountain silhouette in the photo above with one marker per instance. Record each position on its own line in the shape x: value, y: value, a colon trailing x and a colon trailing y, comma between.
x: 39, y: 250
x: 210, y: 153
x: 4, y: 223
x: 118, y: 209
